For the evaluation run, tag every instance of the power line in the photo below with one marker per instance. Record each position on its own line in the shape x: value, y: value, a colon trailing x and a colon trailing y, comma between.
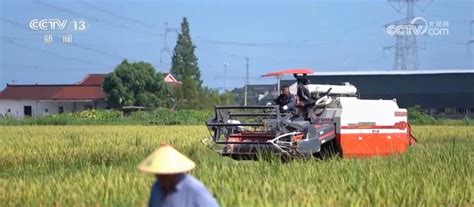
x: 12, y: 42
x: 36, y: 67
x: 209, y: 66
x: 238, y: 77
x: 97, y: 51
x: 105, y: 22
x: 445, y: 42
x: 73, y: 44
x: 305, y: 43
x: 251, y: 44
x: 62, y: 9
x: 21, y: 26
x: 111, y: 13
x: 11, y: 22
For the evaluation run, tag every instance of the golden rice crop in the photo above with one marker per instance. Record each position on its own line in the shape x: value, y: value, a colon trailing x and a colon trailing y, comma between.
x: 96, y: 165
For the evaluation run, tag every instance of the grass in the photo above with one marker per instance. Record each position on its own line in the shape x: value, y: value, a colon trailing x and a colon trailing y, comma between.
x: 96, y: 166
x: 180, y: 117
x: 111, y: 117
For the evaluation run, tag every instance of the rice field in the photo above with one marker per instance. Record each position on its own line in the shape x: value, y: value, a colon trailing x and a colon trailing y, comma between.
x: 96, y: 166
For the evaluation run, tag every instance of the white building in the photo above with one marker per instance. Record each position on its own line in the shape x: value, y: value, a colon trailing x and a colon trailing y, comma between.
x: 38, y: 100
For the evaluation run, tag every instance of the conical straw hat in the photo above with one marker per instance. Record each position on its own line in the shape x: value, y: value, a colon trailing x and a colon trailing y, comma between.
x: 166, y: 160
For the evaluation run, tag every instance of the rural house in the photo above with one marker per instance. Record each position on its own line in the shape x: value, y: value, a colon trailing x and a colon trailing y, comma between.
x: 20, y: 100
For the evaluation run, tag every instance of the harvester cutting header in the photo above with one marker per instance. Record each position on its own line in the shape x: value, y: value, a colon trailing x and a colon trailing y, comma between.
x: 325, y: 115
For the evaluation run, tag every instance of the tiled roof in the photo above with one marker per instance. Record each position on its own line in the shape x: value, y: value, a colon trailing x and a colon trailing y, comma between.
x: 89, y: 88
x: 92, y: 79
x: 53, y: 92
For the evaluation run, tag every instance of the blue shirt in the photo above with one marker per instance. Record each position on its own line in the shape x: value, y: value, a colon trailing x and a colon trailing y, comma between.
x: 188, y: 192
x: 289, y: 101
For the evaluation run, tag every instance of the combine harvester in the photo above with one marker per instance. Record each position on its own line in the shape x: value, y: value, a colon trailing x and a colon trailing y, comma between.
x: 353, y: 127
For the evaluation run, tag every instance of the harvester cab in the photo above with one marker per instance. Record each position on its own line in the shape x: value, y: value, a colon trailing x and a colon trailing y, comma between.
x: 334, y: 116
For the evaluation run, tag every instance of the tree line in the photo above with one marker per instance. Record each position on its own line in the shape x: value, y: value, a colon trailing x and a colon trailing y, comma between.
x: 139, y: 84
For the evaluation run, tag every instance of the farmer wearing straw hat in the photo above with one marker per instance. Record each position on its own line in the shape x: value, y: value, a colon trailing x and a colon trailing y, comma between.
x: 174, y: 187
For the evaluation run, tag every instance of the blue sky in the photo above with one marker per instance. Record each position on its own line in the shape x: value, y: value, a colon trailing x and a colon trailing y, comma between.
x: 324, y: 35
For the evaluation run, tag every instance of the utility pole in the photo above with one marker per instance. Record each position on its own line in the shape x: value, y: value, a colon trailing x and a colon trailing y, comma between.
x: 225, y: 76
x: 278, y: 83
x: 471, y: 41
x: 471, y: 24
x: 246, y: 80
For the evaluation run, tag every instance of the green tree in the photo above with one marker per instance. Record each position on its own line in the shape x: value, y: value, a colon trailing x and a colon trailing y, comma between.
x: 191, y: 94
x: 227, y: 98
x: 136, y: 84
x: 184, y: 61
x: 188, y: 94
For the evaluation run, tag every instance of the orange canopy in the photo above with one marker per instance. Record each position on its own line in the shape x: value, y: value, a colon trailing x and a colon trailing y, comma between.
x: 289, y: 71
